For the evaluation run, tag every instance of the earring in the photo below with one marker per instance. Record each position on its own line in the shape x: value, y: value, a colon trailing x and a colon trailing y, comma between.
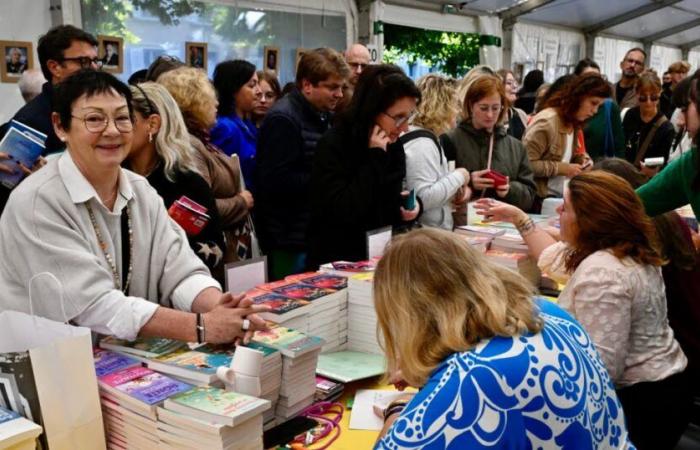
x: 150, y: 137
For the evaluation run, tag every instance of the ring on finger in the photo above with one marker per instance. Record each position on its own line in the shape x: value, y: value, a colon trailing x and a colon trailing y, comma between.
x: 246, y: 325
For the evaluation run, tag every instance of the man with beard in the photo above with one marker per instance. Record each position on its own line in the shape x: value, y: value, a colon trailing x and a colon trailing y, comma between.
x: 632, y: 66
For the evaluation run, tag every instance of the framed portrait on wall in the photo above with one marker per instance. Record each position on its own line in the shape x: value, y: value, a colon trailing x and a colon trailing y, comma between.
x: 196, y: 54
x: 271, y: 59
x: 18, y: 56
x: 110, y: 50
x: 300, y: 52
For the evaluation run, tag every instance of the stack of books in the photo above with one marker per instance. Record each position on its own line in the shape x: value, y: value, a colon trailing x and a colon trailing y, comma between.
x: 130, y: 394
x: 284, y: 310
x: 299, y: 360
x: 362, y: 318
x: 328, y: 317
x: 211, y: 418
x: 16, y: 432
x: 142, y: 348
x: 327, y: 390
x: 518, y: 262
x: 349, y: 269
x: 510, y: 242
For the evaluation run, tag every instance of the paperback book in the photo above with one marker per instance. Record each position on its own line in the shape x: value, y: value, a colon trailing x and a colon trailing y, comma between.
x: 142, y: 347
x: 289, y: 342
x: 216, y: 405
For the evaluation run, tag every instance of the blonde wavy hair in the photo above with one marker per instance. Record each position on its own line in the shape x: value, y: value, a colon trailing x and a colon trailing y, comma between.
x: 435, y: 296
x: 194, y: 94
x: 439, y: 107
x: 172, y: 141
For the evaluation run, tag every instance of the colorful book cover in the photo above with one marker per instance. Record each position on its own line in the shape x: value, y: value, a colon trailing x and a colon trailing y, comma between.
x: 204, y: 359
x: 145, y: 385
x: 148, y: 347
x: 328, y: 386
x: 278, y: 304
x: 302, y: 291
x: 20, y: 148
x: 325, y: 281
x: 288, y: 341
x: 6, y: 415
x: 107, y: 362
x: 359, y: 266
x: 347, y: 366
x: 218, y: 401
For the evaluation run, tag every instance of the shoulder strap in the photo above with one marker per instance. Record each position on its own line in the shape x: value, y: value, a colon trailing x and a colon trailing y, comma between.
x: 421, y: 133
x: 609, y: 143
x: 448, y: 147
x: 647, y: 141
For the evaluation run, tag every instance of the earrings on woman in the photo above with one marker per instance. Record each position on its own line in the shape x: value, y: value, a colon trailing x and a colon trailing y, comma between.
x: 150, y: 137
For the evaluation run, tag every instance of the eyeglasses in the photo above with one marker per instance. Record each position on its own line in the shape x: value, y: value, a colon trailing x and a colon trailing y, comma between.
x: 486, y: 108
x: 634, y: 62
x: 513, y: 84
x: 401, y: 120
x: 644, y: 98
x: 356, y: 66
x: 85, y: 62
x: 97, y: 123
x: 268, y: 96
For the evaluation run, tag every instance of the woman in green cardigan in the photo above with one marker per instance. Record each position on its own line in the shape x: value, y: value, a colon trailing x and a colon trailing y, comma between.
x: 679, y: 183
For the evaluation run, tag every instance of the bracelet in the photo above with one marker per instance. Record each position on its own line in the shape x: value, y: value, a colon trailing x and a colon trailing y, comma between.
x: 200, y: 329
x: 525, y: 226
x: 393, y: 408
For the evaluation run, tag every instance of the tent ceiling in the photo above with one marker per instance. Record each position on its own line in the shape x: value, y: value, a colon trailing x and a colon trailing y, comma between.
x: 670, y: 22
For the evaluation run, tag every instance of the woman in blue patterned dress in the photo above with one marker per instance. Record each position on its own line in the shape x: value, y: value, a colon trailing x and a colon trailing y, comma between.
x: 496, y: 367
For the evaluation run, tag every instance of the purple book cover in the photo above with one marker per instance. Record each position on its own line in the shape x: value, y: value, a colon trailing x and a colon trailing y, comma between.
x: 153, y: 388
x: 303, y: 291
x: 107, y: 362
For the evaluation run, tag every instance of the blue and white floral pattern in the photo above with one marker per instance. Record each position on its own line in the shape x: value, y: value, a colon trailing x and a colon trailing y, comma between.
x: 545, y: 391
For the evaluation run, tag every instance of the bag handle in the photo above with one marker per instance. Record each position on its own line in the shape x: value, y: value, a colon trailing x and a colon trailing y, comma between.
x: 60, y: 291
x: 647, y: 140
x: 488, y: 163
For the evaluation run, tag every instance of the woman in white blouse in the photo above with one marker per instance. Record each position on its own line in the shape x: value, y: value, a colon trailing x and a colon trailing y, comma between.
x: 102, y: 233
x: 614, y: 287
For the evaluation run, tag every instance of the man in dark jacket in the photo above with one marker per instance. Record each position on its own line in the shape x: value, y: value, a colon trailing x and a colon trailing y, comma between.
x: 286, y: 146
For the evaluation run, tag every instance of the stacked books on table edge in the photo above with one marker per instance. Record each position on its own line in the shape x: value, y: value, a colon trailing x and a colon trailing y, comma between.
x: 146, y: 409
x: 16, y: 432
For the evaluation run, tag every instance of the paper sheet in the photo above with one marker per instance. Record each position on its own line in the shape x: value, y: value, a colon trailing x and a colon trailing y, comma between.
x: 362, y: 416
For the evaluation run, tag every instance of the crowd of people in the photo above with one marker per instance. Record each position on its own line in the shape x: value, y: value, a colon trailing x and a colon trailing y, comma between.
x: 306, y: 171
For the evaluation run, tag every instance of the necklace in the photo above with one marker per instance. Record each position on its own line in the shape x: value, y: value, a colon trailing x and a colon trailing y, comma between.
x: 108, y: 257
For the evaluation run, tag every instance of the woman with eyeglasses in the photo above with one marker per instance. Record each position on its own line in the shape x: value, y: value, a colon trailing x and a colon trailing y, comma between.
x: 93, y: 243
x: 552, y: 141
x: 516, y: 117
x: 238, y: 90
x: 270, y: 92
x: 359, y: 168
x: 648, y: 133
x: 484, y: 148
x: 162, y: 153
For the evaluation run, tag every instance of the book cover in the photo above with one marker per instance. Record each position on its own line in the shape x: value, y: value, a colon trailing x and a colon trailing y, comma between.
x: 325, y: 281
x: 6, y: 415
x: 288, y: 341
x: 20, y: 148
x: 26, y: 129
x: 205, y: 359
x: 145, y: 385
x: 147, y: 347
x: 107, y: 362
x: 18, y: 388
x: 218, y: 402
x: 359, y: 266
x: 302, y: 291
x: 347, y: 366
x: 278, y: 304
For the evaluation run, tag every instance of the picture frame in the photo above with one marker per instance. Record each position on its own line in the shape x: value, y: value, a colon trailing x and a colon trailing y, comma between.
x: 299, y: 53
x: 110, y: 50
x: 18, y: 56
x: 196, y: 54
x: 271, y: 59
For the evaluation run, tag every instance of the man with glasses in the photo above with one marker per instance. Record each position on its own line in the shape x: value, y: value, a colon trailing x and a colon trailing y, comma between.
x: 632, y: 66
x: 63, y: 50
x: 286, y: 146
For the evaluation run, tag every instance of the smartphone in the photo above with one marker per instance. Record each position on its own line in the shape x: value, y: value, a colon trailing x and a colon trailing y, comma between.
x: 284, y: 433
x: 498, y: 178
x: 409, y: 202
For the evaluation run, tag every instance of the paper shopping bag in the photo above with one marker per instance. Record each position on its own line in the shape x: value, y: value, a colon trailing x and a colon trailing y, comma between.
x: 47, y: 375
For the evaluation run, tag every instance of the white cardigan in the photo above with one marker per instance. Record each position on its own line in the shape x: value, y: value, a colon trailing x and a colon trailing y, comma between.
x: 45, y: 227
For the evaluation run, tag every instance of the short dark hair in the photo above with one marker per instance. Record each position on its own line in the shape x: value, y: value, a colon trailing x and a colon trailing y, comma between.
x: 637, y: 49
x: 86, y: 82
x: 56, y: 41
x: 319, y: 64
x: 137, y: 77
x: 532, y: 81
x: 584, y: 64
x: 569, y: 98
x: 378, y: 87
x: 162, y: 64
x: 229, y: 77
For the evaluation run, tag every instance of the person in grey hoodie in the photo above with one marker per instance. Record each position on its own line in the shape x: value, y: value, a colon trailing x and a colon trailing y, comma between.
x: 427, y: 170
x: 481, y: 145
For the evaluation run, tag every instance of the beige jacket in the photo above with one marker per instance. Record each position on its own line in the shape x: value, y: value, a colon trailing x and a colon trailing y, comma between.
x: 224, y: 177
x: 545, y: 142
x: 629, y: 100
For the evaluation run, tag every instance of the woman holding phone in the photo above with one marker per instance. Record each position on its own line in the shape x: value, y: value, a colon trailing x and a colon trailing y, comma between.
x: 359, y: 168
x: 497, y: 162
